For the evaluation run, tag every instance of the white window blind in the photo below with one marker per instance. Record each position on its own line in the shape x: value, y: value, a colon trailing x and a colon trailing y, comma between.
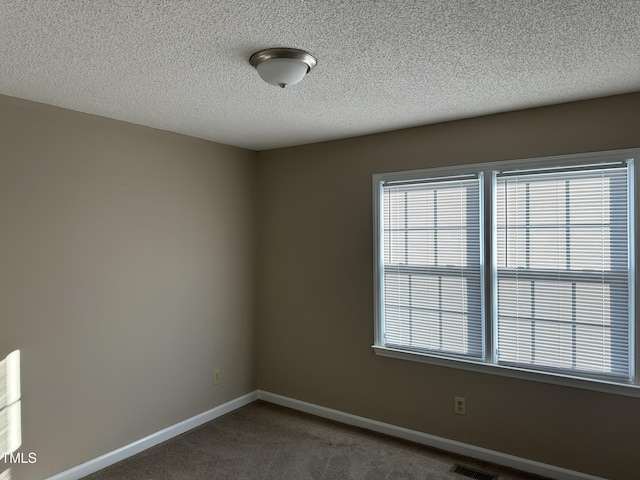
x: 562, y: 251
x: 432, y: 273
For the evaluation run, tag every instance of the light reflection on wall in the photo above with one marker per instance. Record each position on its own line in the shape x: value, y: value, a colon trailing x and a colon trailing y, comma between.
x: 10, y: 413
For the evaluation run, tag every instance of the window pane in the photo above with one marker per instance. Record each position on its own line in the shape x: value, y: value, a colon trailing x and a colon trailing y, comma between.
x: 590, y: 248
x: 544, y: 248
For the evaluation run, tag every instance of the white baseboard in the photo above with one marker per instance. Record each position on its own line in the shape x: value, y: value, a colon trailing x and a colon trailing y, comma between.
x: 115, y: 456
x: 523, y: 464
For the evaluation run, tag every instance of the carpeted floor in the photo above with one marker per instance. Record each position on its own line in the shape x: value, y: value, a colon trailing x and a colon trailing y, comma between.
x: 262, y: 441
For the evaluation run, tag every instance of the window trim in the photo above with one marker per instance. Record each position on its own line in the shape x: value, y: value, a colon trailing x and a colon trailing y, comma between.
x: 488, y: 264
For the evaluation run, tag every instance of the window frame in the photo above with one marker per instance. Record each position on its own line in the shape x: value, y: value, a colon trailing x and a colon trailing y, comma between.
x: 488, y: 171
x: 450, y: 271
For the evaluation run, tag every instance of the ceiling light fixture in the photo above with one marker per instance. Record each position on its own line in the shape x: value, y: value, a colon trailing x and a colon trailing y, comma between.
x: 282, y: 67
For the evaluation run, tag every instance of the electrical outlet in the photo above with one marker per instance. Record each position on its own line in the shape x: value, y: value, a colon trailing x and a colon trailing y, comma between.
x: 460, y: 405
x: 216, y: 377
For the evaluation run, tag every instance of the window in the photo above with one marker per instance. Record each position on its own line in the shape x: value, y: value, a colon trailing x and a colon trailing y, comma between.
x: 432, y: 272
x: 518, y: 268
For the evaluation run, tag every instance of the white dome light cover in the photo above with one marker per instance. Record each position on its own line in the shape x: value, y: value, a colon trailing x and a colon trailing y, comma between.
x: 282, y: 67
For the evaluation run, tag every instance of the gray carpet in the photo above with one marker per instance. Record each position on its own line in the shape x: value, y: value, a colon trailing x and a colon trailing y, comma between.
x: 262, y: 441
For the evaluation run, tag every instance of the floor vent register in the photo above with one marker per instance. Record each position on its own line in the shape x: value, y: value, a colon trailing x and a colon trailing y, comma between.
x: 471, y: 473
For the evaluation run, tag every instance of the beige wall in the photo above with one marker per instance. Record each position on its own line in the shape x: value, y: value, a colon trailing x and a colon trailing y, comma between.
x: 315, y: 291
x: 126, y: 277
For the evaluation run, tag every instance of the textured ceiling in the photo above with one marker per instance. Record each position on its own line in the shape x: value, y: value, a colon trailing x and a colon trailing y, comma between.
x: 183, y: 65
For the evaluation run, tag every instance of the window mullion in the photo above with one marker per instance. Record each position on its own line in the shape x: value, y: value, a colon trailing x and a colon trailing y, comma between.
x: 489, y: 275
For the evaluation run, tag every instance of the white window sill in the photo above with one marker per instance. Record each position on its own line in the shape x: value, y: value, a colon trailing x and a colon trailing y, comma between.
x: 628, y: 390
